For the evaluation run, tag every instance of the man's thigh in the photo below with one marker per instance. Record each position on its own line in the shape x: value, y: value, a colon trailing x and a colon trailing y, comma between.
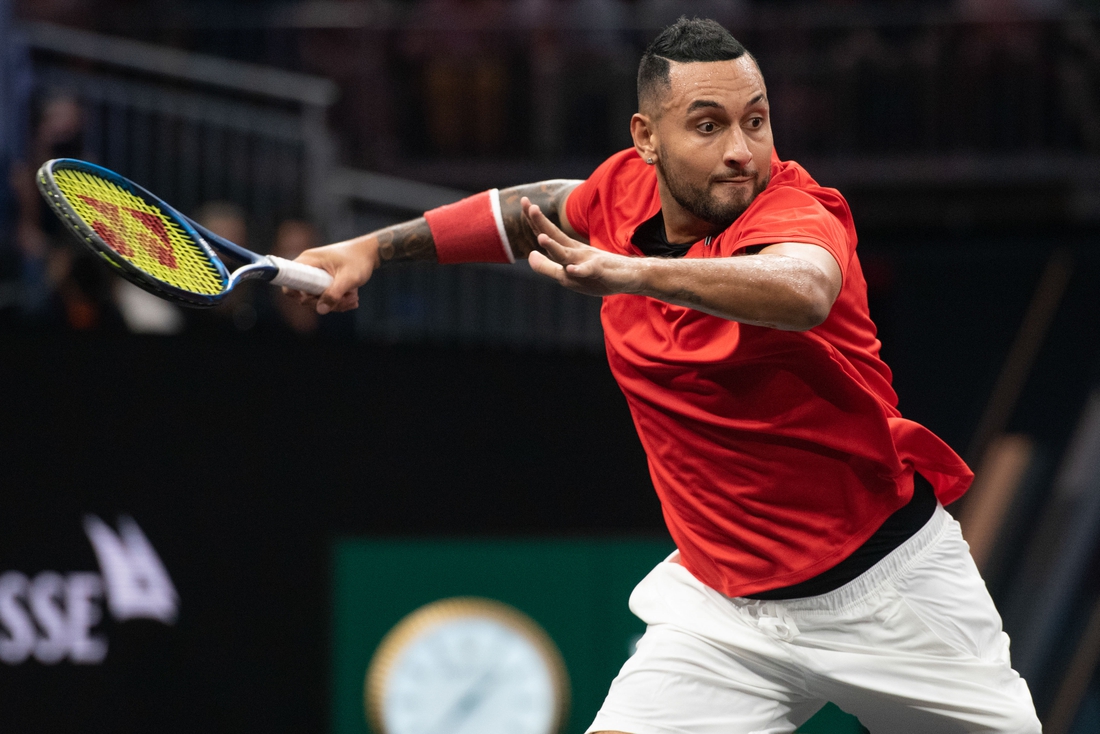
x: 677, y: 682
x: 928, y: 656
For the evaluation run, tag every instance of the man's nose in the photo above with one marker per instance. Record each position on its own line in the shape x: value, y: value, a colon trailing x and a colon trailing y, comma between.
x: 737, y: 153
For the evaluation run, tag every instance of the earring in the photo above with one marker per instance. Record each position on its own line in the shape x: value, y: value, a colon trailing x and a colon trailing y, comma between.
x: 649, y: 161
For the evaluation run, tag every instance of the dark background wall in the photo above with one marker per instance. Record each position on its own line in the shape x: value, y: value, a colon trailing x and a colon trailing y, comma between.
x: 242, y: 463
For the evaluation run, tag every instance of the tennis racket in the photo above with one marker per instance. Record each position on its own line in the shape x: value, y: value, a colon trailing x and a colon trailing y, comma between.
x: 154, y: 246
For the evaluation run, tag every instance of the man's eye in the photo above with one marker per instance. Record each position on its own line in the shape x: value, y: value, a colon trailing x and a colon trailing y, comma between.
x: 707, y: 127
x: 756, y: 122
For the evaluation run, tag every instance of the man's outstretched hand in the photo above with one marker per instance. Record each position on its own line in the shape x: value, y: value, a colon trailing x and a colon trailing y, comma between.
x: 578, y: 266
x: 787, y: 285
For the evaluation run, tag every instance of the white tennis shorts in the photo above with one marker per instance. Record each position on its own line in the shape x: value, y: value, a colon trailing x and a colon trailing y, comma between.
x: 913, y: 645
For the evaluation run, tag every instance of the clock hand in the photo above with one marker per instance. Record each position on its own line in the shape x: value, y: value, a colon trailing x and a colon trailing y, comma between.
x: 466, y: 703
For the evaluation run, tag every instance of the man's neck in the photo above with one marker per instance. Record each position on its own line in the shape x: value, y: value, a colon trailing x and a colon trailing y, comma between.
x: 681, y: 226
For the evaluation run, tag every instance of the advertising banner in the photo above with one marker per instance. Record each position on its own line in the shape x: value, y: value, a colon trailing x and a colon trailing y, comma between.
x: 575, y: 590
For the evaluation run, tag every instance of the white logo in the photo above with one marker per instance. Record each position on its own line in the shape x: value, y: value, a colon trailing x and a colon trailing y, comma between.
x: 137, y: 584
x: 51, y: 616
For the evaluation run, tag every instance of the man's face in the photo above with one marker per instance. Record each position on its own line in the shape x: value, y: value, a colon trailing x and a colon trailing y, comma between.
x: 714, y: 138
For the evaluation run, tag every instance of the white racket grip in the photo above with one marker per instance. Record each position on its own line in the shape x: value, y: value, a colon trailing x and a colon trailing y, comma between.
x: 304, y: 278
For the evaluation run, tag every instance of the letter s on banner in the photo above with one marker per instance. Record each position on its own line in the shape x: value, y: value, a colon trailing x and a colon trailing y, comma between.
x: 138, y: 585
x: 46, y: 594
x: 17, y: 634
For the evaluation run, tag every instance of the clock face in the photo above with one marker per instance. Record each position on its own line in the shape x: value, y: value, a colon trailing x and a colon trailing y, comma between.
x: 466, y: 666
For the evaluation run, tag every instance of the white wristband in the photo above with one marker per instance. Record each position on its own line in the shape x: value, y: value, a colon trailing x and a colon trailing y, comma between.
x: 498, y: 217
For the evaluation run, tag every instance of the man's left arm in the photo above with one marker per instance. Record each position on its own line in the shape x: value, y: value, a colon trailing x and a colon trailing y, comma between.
x: 789, y: 285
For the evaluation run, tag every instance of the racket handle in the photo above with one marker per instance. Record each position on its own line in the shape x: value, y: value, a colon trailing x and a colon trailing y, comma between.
x: 304, y: 278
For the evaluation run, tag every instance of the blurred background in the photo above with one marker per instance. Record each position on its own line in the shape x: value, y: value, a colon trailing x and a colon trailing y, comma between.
x: 246, y: 476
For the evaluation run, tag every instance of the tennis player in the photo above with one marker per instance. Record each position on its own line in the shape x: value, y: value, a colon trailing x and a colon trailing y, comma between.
x: 815, y: 560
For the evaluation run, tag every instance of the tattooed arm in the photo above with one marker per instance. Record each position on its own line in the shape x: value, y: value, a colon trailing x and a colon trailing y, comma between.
x: 554, y: 193
x: 352, y: 262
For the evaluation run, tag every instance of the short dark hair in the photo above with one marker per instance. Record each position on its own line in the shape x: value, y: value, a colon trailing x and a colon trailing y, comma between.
x: 685, y: 40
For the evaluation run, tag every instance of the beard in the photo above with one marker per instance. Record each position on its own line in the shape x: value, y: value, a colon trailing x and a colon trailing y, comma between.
x: 702, y: 204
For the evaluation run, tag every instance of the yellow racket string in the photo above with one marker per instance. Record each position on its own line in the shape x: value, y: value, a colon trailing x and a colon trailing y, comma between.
x: 140, y: 232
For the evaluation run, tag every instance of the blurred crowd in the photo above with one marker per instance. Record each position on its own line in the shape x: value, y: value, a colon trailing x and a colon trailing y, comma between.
x: 543, y: 79
x: 427, y: 83
x: 52, y: 282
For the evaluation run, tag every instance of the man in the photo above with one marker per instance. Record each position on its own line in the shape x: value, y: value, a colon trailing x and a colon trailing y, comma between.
x: 815, y: 561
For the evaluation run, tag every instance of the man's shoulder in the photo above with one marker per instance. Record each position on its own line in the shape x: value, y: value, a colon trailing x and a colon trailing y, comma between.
x: 791, y: 184
x: 791, y: 175
x: 794, y: 208
x: 625, y: 168
x: 622, y: 189
x: 788, y: 176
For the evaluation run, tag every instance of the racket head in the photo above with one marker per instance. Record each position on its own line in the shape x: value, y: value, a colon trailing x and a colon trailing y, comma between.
x: 144, y: 239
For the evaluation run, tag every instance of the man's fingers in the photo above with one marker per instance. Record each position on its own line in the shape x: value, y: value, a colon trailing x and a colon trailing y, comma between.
x: 529, y: 213
x: 554, y: 250
x: 586, y: 269
x: 559, y: 252
x: 343, y: 293
x: 545, y: 266
x: 541, y: 223
x: 297, y: 296
x: 348, y: 302
x: 342, y: 288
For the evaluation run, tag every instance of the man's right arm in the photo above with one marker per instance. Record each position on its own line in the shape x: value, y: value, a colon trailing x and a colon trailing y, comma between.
x: 352, y: 262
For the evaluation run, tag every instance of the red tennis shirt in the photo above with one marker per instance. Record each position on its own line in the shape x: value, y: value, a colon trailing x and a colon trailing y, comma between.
x: 775, y: 454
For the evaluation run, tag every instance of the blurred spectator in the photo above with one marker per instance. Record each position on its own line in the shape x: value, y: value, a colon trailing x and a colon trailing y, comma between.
x: 582, y: 75
x: 599, y: 77
x: 224, y: 219
x: 539, y: 20
x: 878, y: 100
x: 292, y: 239
x: 61, y: 283
x: 464, y: 74
x: 144, y: 313
x: 356, y: 59
x: 283, y: 316
x: 12, y: 58
x: 1079, y: 79
x: 1004, y: 64
x: 227, y: 220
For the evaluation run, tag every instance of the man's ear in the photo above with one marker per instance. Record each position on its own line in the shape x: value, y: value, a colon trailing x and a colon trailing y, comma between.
x: 644, y: 132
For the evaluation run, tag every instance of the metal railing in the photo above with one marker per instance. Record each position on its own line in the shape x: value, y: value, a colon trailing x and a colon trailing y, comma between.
x: 196, y: 128
x: 498, y: 305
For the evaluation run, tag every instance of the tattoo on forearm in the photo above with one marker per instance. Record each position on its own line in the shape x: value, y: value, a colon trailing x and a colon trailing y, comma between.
x: 410, y: 240
x: 548, y: 195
